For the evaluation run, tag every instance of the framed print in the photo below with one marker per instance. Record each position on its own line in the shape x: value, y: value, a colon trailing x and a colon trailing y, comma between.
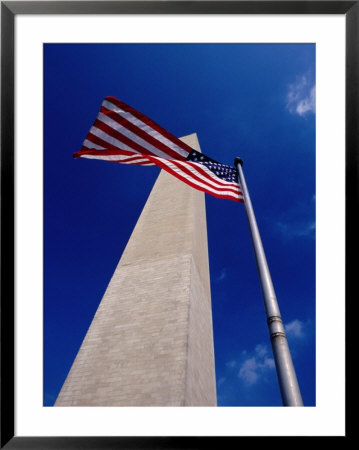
x: 274, y: 83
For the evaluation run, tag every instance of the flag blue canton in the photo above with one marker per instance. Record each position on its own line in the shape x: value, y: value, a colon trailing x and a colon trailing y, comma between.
x: 226, y: 173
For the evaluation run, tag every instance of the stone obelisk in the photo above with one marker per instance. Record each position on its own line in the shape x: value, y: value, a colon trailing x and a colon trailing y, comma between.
x: 151, y: 340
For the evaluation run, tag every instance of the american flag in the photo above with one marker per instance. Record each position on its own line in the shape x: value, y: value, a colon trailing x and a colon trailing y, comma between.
x: 123, y: 135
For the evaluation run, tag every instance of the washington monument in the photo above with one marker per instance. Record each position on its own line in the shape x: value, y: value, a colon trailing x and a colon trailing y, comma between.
x: 151, y: 340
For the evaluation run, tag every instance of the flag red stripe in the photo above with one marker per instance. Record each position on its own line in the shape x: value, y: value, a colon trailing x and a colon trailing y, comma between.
x: 114, y: 151
x: 107, y: 156
x: 149, y: 122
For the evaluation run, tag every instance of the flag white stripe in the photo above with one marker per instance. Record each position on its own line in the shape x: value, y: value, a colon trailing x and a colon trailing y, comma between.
x: 120, y: 158
x: 91, y: 145
x: 134, y: 137
x: 146, y: 128
x: 142, y: 162
x: 110, y: 139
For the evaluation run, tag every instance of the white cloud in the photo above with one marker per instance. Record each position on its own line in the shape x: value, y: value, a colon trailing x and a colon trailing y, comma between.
x: 301, y: 97
x: 248, y: 371
x: 307, y: 104
x: 295, y: 328
x: 256, y: 366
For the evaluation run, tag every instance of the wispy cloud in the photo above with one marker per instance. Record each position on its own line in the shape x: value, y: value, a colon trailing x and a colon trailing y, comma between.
x: 292, y: 230
x: 251, y: 373
x: 222, y: 275
x: 298, y: 221
x: 296, y: 329
x: 49, y: 399
x: 231, y: 364
x: 255, y: 366
x: 301, y: 97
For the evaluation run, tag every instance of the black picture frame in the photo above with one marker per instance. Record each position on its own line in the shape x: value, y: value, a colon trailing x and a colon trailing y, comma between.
x: 9, y: 9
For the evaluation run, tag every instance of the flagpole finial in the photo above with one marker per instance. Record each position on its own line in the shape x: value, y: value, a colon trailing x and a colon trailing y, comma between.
x: 238, y: 160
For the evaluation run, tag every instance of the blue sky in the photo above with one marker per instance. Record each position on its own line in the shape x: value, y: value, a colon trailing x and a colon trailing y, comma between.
x: 256, y: 101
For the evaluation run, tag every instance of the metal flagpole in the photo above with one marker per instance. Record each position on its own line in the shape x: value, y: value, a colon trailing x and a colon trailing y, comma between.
x: 287, y: 378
